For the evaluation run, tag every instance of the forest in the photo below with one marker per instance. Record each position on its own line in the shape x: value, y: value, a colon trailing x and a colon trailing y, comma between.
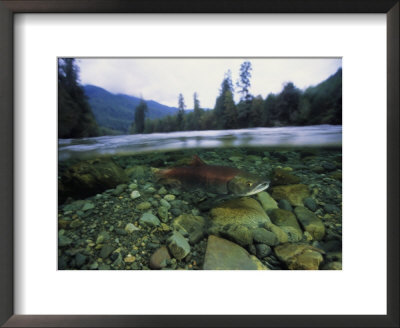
x: 320, y: 104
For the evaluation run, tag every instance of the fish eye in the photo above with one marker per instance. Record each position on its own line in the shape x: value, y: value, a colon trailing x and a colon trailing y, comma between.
x: 249, y: 183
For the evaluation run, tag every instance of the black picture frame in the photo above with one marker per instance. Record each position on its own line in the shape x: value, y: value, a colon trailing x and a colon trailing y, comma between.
x: 10, y: 7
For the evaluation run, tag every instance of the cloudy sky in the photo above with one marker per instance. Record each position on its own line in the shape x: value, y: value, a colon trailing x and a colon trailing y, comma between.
x: 162, y: 79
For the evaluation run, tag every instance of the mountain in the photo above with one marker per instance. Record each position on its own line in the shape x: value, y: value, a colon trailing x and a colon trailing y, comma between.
x: 114, y: 112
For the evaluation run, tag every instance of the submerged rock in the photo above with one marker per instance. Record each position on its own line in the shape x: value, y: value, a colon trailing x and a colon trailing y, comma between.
x: 264, y: 236
x: 267, y: 202
x: 159, y: 258
x: 283, y: 177
x: 88, y: 178
x: 243, y: 211
x: 178, y: 246
x: 285, y: 219
x: 299, y: 256
x: 190, y: 225
x: 239, y: 234
x: 292, y: 193
x: 310, y: 222
x: 221, y: 254
x: 149, y: 220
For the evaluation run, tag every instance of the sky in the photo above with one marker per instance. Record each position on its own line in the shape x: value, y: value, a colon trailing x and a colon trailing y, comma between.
x: 163, y: 79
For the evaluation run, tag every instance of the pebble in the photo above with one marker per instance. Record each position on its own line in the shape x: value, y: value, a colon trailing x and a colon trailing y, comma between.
x: 133, y: 186
x: 285, y: 205
x: 149, y: 220
x: 135, y: 194
x: 103, y: 236
x: 263, y: 250
x: 64, y: 241
x: 162, y: 191
x: 106, y: 250
x: 163, y: 213
x: 143, y: 206
x: 310, y: 203
x: 129, y: 228
x: 87, y: 206
x: 165, y: 203
x: 169, y: 197
x: 129, y: 258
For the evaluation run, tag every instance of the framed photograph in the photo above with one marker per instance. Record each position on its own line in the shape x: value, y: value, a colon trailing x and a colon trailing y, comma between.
x: 186, y: 164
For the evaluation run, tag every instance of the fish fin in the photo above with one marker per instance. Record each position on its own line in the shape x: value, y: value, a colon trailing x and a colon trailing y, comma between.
x: 197, y: 161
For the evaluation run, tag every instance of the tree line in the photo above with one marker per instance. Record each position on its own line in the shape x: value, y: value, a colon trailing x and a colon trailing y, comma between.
x: 321, y: 104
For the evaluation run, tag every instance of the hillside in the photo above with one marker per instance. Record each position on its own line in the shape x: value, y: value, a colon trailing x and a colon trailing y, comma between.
x: 114, y: 112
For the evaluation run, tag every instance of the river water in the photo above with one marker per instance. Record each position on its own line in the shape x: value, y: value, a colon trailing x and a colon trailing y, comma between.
x: 321, y: 136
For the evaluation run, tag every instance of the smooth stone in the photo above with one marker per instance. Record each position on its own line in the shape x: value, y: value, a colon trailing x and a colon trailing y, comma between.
x: 75, y: 223
x: 149, y: 220
x: 264, y: 236
x: 137, y: 172
x: 163, y: 213
x: 165, y: 203
x: 129, y: 258
x: 238, y: 234
x: 191, y: 225
x: 310, y: 204
x: 133, y: 186
x: 222, y: 254
x: 333, y: 266
x: 285, y: 205
x: 87, y: 206
x: 299, y: 256
x: 129, y: 228
x: 103, y: 236
x: 279, y: 233
x: 243, y: 211
x: 310, y: 222
x: 135, y: 194
x: 267, y: 202
x: 159, y: 258
x: 64, y: 241
x: 80, y: 259
x: 178, y: 246
x: 283, y: 218
x: 169, y: 197
x: 106, y: 250
x: 293, y: 193
x: 330, y: 208
x: 143, y: 206
x: 162, y: 191
x: 329, y: 166
x: 263, y: 250
x: 119, y: 189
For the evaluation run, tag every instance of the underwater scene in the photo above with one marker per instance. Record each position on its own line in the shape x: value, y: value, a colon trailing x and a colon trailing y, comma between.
x: 210, y: 208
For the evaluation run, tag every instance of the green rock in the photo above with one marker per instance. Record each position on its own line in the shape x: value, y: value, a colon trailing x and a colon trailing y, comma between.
x: 310, y: 204
x: 106, y: 250
x: 333, y: 266
x: 239, y: 234
x: 267, y: 202
x: 243, y: 211
x: 75, y: 223
x: 292, y: 193
x: 135, y: 194
x: 149, y: 220
x: 310, y: 222
x: 169, y: 197
x: 299, y: 256
x: 129, y: 228
x: 222, y: 254
x: 102, y: 237
x: 64, y: 241
x: 263, y: 236
x: 191, y: 225
x: 164, y: 203
x: 159, y: 258
x: 143, y: 206
x: 283, y: 218
x: 137, y: 172
x: 163, y: 213
x: 178, y: 246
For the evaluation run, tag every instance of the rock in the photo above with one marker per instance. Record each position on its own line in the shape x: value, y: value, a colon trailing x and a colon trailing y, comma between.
x: 90, y: 177
x: 283, y: 218
x: 283, y: 177
x: 129, y: 228
x: 163, y: 213
x: 137, y: 172
x: 63, y: 224
x: 332, y: 266
x: 178, y: 246
x: 103, y: 236
x: 222, y: 254
x: 75, y: 224
x: 336, y: 175
x: 149, y: 220
x: 267, y: 202
x: 329, y: 166
x: 299, y: 256
x: 293, y: 193
x: 162, y: 191
x: 329, y: 208
x: 74, y: 206
x: 169, y: 197
x: 143, y: 206
x: 64, y: 241
x: 87, y: 206
x: 80, y: 259
x: 190, y: 225
x: 119, y: 189
x: 310, y: 203
x: 310, y: 222
x: 159, y: 258
x: 239, y: 234
x: 243, y: 211
x: 133, y: 186
x: 293, y: 234
x: 263, y: 250
x: 285, y: 205
x: 106, y: 250
x: 129, y: 258
x: 165, y: 203
x: 135, y: 194
x: 104, y: 266
x: 264, y: 236
x: 279, y: 233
